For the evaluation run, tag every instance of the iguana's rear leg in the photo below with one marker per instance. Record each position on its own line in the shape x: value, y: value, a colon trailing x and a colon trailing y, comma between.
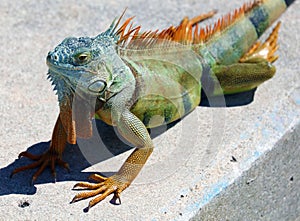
x: 254, y: 68
x: 266, y: 50
x: 134, y: 131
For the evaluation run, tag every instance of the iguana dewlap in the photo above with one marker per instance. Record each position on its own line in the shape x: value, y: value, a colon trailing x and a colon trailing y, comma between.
x: 136, y: 80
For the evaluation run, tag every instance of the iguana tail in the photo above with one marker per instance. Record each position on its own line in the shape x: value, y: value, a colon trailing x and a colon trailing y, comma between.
x: 234, y: 34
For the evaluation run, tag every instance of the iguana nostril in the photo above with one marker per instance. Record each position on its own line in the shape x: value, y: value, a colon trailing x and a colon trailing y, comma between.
x: 52, y: 56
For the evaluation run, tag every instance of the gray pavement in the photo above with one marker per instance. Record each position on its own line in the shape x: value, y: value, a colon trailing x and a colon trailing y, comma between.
x: 192, y: 161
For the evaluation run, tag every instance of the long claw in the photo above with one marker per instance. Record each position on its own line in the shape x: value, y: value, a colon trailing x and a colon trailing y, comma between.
x: 117, y: 196
x: 29, y: 155
x: 97, y: 178
x: 63, y: 164
x: 53, y: 169
x: 98, y: 199
x: 39, y: 171
x: 86, y: 195
x: 49, y: 158
x: 89, y: 186
x: 30, y: 166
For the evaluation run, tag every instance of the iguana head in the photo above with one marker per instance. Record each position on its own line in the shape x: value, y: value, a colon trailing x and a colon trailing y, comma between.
x: 91, y: 66
x: 79, y: 64
x: 84, y: 70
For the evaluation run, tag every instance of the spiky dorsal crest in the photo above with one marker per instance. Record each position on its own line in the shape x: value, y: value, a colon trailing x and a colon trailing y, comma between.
x: 187, y: 32
x: 224, y: 22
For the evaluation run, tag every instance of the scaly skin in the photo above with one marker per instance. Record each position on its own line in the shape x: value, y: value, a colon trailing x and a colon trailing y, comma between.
x: 135, y: 80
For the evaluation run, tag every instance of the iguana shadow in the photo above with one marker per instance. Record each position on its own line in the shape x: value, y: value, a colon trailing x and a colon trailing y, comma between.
x: 20, y: 183
x: 105, y: 144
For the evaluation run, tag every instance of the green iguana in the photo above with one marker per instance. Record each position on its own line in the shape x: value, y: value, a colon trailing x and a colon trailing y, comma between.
x: 127, y: 78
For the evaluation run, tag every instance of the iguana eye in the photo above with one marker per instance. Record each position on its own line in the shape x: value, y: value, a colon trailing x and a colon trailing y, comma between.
x: 82, y: 58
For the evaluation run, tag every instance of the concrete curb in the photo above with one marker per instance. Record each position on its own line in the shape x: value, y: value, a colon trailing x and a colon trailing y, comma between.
x: 269, y: 190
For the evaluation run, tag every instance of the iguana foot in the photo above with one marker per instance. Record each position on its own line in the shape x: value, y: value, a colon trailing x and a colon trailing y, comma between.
x: 105, y: 187
x: 49, y: 158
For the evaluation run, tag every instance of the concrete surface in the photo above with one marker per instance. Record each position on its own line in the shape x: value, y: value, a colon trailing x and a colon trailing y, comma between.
x: 192, y: 161
x: 269, y: 190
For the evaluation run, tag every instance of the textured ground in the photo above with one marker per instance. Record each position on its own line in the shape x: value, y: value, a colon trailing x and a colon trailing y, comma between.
x: 192, y: 161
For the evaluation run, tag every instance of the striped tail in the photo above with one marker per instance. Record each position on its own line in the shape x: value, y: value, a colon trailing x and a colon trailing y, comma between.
x: 242, y: 29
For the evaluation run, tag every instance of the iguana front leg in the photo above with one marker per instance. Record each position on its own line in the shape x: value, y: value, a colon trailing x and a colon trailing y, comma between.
x: 51, y: 157
x: 134, y: 131
x: 63, y: 132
